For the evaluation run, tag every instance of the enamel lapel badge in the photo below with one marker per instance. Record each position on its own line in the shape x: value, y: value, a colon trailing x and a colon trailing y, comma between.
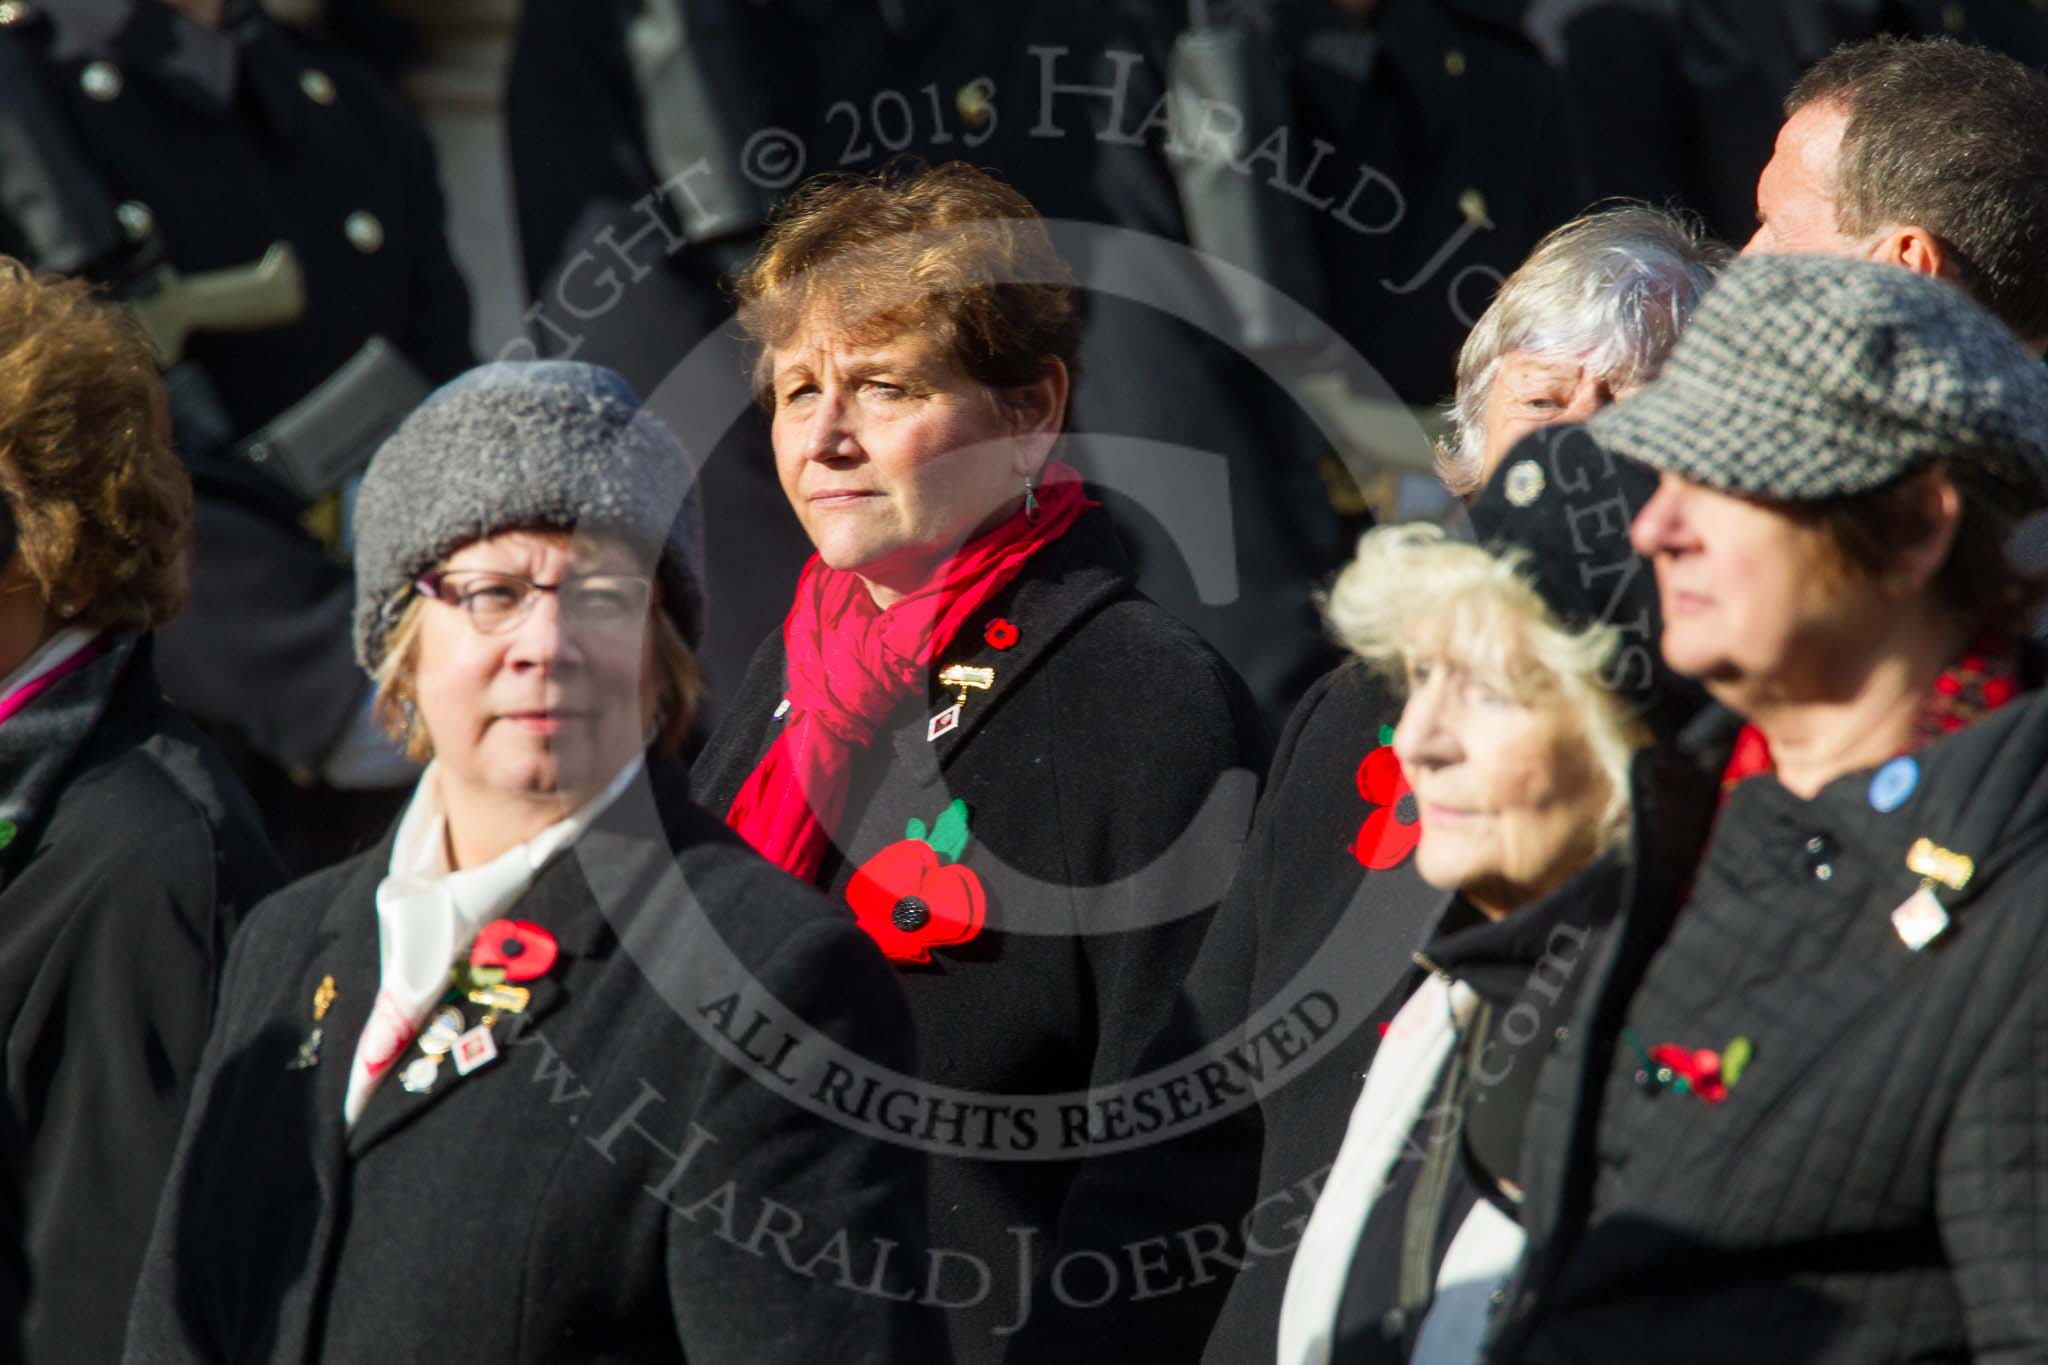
x: 506, y: 951
x: 1922, y: 918
x: 308, y: 1055
x: 962, y: 676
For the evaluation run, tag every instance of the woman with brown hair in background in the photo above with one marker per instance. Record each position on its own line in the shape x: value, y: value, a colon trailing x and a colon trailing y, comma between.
x: 128, y: 852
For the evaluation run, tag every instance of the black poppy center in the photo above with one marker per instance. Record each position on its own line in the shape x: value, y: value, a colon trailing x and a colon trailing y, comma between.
x: 1406, y: 810
x: 910, y: 915
x: 511, y: 947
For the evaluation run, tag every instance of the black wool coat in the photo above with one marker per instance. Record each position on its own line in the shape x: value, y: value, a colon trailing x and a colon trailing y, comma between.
x: 620, y: 1185
x: 1109, y: 775
x: 131, y: 854
x: 1871, y: 1188
x: 1308, y: 955
x: 231, y: 140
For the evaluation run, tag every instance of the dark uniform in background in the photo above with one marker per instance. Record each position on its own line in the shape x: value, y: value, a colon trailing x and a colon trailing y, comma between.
x: 1681, y: 103
x: 1477, y: 156
x: 217, y: 143
x: 853, y: 83
x: 1064, y: 99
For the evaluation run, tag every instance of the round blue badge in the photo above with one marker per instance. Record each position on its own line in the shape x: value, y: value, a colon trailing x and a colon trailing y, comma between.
x: 1893, y: 784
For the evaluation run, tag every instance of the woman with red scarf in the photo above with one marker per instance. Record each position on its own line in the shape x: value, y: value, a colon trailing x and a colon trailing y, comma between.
x: 1805, y: 1119
x: 1026, y: 781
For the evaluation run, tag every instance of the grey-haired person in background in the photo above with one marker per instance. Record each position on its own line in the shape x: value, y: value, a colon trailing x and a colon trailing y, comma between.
x: 1805, y: 1115
x: 1586, y: 320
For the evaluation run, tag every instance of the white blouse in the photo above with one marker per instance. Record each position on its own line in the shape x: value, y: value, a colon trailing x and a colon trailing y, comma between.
x: 428, y: 914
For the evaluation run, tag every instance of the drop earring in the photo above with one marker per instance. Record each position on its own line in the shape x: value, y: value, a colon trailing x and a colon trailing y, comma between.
x: 1030, y: 498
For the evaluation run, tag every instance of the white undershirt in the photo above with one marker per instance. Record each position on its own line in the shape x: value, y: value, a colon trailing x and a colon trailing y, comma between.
x: 428, y: 914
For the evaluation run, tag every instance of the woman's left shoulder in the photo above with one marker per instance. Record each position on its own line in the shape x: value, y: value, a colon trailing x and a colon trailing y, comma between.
x: 165, y: 803
x: 1133, y: 646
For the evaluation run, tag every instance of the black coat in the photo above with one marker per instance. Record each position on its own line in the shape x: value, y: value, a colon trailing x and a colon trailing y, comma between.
x: 1109, y: 775
x: 1871, y: 1188
x: 13, y: 1247
x: 609, y: 1189
x: 1305, y: 926
x: 218, y: 134
x: 131, y: 856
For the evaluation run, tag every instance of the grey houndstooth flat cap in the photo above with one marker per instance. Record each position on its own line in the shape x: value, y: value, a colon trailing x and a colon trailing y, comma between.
x: 1804, y: 378
x: 548, y: 444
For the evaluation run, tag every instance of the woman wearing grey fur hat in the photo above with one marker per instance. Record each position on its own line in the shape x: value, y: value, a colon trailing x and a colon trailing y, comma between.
x: 465, y: 1091
x: 1806, y: 1116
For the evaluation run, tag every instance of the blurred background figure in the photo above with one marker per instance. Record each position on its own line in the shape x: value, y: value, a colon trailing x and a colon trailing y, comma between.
x: 128, y: 852
x: 1679, y: 103
x: 1585, y: 321
x: 1932, y: 156
x: 273, y: 213
x: 1378, y: 167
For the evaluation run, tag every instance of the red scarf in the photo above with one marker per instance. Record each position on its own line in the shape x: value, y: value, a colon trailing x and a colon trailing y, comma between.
x: 1985, y: 678
x: 848, y: 664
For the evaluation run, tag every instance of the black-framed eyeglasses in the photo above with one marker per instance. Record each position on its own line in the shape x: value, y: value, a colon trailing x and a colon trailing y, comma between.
x: 497, y: 602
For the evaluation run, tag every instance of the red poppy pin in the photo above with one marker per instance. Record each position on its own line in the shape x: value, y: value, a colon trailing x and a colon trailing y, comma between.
x: 914, y: 896
x: 1001, y: 633
x: 1693, y: 1071
x: 1391, y: 832
x: 521, y: 949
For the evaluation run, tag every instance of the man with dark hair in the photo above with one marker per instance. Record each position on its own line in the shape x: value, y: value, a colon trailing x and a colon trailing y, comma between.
x: 1927, y: 154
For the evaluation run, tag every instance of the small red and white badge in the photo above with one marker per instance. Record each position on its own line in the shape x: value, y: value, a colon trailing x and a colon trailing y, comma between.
x: 473, y: 1049
x: 944, y: 723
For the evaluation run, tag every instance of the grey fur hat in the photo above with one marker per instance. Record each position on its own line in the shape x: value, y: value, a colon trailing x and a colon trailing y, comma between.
x: 525, y: 445
x: 1803, y: 378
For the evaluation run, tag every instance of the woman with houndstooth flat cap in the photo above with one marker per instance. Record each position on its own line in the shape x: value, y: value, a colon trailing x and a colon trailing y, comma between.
x: 1805, y: 1116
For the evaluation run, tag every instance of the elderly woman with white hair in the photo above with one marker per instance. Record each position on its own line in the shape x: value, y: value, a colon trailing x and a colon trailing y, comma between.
x: 1586, y: 320
x: 1327, y: 893
x: 1529, y: 691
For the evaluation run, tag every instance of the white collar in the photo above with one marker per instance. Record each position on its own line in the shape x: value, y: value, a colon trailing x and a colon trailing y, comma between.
x: 419, y: 850
x: 427, y: 916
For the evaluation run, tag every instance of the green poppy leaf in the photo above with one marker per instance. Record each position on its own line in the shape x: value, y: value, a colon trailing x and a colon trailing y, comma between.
x: 949, y: 835
x: 1386, y: 734
x: 915, y: 830
x: 1735, y: 1059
